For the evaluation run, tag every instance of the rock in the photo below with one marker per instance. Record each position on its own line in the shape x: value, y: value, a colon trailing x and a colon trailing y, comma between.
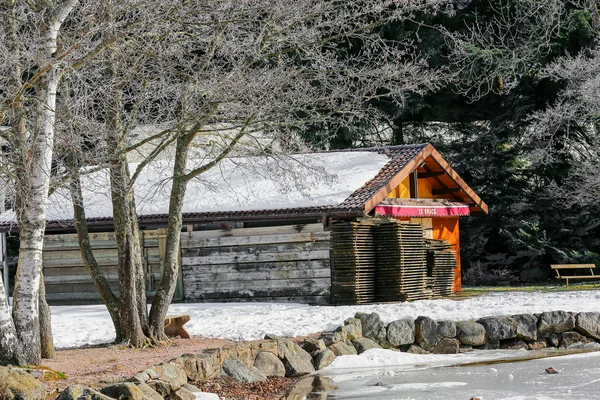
x: 499, y: 328
x: 343, y: 349
x: 149, y: 393
x: 19, y: 384
x: 323, y: 384
x: 526, y: 327
x: 373, y: 328
x: 537, y: 345
x: 77, y: 392
x: 446, y: 346
x: 574, y: 340
x: 246, y: 352
x: 489, y: 346
x: 192, y: 388
x: 513, y: 344
x: 470, y: 333
x: 171, y: 373
x: 588, y: 324
x: 163, y: 388
x: 551, y: 370
x: 314, y: 346
x: 353, y: 328
x: 184, y: 394
x: 553, y: 340
x: 401, y: 332
x: 323, y: 359
x: 463, y: 348
x: 446, y: 329
x: 269, y: 364
x: 555, y: 322
x: 202, y: 366
x: 241, y: 372
x: 297, y: 362
x: 426, y: 332
x: 363, y: 344
x: 125, y: 390
x: 414, y: 349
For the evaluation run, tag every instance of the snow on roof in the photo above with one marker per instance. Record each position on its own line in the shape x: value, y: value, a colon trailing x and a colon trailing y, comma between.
x: 236, y: 184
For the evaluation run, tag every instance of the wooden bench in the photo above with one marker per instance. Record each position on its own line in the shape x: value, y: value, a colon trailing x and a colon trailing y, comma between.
x: 174, y: 326
x: 591, y: 267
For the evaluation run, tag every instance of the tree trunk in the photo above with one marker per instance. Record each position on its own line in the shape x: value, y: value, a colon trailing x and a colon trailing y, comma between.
x: 89, y: 260
x: 10, y: 350
x: 397, y: 132
x: 46, y: 340
x: 164, y: 294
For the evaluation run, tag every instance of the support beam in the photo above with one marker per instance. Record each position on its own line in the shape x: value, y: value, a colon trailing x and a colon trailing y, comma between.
x: 430, y: 174
x: 436, y: 192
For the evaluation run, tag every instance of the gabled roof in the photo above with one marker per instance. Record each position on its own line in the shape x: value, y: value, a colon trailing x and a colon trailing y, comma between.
x: 356, y: 180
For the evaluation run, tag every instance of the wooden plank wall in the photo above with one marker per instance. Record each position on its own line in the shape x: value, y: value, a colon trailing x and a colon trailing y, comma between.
x: 282, y: 263
x: 68, y: 280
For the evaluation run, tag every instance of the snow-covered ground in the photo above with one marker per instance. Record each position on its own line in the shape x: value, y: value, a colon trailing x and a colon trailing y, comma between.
x: 80, y: 325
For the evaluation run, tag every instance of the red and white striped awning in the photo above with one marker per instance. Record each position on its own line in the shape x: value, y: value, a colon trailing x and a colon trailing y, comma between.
x: 421, y: 208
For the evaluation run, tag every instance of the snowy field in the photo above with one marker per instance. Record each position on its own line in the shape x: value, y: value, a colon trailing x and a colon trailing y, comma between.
x: 75, y: 326
x: 385, y: 374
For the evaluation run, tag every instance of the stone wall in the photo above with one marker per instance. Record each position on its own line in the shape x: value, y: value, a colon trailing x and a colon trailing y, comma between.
x: 275, y: 356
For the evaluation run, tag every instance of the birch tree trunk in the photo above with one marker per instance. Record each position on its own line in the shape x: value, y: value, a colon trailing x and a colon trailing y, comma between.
x: 10, y: 351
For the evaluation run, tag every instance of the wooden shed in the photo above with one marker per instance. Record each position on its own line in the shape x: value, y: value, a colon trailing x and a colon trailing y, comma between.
x: 254, y: 234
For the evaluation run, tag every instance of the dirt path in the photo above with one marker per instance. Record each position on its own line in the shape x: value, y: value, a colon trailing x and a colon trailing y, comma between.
x: 101, y: 365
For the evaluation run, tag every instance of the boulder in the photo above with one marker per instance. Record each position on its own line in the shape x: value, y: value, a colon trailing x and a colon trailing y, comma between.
x: 246, y: 352
x: 192, y: 388
x: 499, y: 328
x: 373, y: 328
x: 149, y: 393
x: 414, y: 349
x: 19, y: 384
x: 269, y: 364
x: 446, y: 329
x: 446, y: 346
x: 323, y: 359
x: 401, y: 332
x: 489, y: 346
x: 343, y: 349
x: 553, y: 340
x: 198, y: 367
x: 183, y: 394
x: 555, y: 322
x: 241, y: 372
x: 314, y: 346
x: 426, y: 332
x: 463, y: 348
x: 352, y: 328
x: 297, y: 362
x: 574, y: 340
x: 163, y: 388
x: 513, y: 344
x: 125, y: 390
x: 526, y: 327
x: 77, y: 392
x: 470, y: 333
x: 588, y: 324
x: 172, y: 373
x: 363, y: 344
x: 537, y: 345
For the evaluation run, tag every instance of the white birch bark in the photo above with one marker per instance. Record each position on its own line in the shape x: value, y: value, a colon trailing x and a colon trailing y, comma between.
x: 33, y: 203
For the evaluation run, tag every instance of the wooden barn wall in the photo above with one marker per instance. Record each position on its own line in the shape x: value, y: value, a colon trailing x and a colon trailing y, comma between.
x: 68, y: 280
x: 281, y: 263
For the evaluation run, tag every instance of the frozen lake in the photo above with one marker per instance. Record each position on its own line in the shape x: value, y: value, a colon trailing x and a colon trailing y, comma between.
x: 416, y: 378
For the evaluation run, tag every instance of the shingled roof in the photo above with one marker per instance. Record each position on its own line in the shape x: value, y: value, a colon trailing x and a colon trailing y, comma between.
x: 402, y: 161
